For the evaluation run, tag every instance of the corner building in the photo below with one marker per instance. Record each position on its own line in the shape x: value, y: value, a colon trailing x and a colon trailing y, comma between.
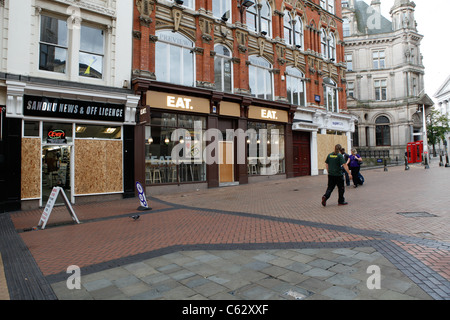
x: 234, y: 66
x: 385, y: 78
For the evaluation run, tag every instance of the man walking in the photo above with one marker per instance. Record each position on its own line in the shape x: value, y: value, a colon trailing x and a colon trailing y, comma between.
x: 334, y: 163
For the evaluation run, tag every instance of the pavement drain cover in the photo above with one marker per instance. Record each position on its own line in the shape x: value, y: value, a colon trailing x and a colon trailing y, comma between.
x: 297, y: 295
x: 416, y: 214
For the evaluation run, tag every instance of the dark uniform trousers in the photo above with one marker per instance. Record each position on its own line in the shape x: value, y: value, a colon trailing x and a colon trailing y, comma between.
x: 334, y: 181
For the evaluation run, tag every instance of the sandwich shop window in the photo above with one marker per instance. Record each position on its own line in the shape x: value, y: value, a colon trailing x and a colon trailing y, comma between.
x: 160, y: 141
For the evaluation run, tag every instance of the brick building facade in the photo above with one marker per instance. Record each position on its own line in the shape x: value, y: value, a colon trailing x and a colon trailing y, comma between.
x: 242, y: 61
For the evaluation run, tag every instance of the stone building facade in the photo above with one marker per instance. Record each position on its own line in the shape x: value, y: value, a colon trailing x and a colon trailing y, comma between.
x: 385, y: 77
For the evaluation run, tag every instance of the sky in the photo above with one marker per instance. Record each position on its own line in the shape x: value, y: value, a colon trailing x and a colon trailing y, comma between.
x: 431, y: 17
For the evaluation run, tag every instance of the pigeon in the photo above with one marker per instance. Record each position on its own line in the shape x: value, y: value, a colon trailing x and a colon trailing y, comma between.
x: 135, y: 217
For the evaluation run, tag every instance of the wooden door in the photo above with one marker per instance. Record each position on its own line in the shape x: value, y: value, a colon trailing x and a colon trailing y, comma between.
x: 226, y: 163
x: 301, y: 153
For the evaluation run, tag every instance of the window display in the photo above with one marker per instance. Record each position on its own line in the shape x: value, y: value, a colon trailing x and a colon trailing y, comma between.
x: 159, y: 144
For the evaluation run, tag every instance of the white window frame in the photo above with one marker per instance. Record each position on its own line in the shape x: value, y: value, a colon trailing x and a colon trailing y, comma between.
x: 73, y: 48
x: 254, y: 13
x: 351, y: 89
x: 223, y: 59
x: 220, y: 9
x: 166, y: 65
x: 380, y: 89
x: 349, y: 61
x: 324, y: 44
x: 294, y: 75
x: 102, y: 55
x: 188, y: 4
x: 379, y: 59
x: 331, y: 90
x: 260, y: 68
x: 288, y: 28
x: 66, y: 47
x: 328, y: 5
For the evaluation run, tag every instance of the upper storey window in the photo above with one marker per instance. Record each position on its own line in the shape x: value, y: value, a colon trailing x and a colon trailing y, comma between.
x: 187, y: 3
x: 328, y: 45
x: 53, y: 44
x: 223, y: 69
x: 259, y: 18
x: 260, y: 78
x: 222, y: 9
x: 174, y: 60
x: 56, y: 47
x: 293, y: 30
x: 328, y: 5
x: 91, y: 52
x: 379, y: 59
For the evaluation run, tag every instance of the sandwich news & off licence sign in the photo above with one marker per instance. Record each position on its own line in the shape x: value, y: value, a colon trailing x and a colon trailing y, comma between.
x: 74, y: 109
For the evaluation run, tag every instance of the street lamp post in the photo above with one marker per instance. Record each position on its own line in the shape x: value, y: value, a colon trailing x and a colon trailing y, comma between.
x: 425, y: 138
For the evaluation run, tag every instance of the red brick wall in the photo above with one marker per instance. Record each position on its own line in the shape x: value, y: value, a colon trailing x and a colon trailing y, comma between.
x: 144, y: 50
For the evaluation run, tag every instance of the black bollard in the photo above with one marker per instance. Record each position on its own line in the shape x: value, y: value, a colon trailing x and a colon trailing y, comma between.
x: 406, y: 163
x: 426, y: 161
x: 441, y: 163
x: 385, y: 166
x: 446, y: 160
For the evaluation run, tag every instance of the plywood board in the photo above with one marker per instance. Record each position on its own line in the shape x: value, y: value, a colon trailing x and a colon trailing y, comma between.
x: 31, y: 168
x: 98, y: 166
x: 325, y: 145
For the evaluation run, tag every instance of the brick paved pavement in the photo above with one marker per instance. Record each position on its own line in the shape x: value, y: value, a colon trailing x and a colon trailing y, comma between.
x: 248, y: 229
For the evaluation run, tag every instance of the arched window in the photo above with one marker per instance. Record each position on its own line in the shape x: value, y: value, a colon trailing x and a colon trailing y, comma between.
x: 324, y: 44
x: 298, y: 32
x: 252, y: 19
x: 266, y: 19
x: 293, y: 30
x: 260, y: 78
x: 383, y: 131
x: 296, y: 88
x: 330, y: 94
x: 174, y: 60
x: 223, y: 69
x: 332, y: 47
x: 259, y: 18
x: 288, y: 29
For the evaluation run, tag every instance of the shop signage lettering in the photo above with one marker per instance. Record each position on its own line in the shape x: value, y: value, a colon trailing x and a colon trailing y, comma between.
x: 269, y: 114
x: 61, y: 108
x: 183, y: 103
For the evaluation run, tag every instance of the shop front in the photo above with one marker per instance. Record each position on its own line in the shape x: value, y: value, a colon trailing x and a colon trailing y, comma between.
x: 199, y: 140
x: 315, y: 133
x: 79, y: 144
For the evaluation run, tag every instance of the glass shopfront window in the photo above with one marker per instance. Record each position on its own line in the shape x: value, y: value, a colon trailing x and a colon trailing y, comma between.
x: 159, y: 165
x: 97, y: 132
x: 265, y: 147
x: 57, y: 133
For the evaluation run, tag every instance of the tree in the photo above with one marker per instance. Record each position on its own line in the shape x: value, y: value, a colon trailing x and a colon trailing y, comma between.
x: 438, y: 124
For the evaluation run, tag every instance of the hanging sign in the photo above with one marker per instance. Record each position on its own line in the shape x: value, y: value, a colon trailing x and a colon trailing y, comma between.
x: 142, y: 198
x: 50, y: 204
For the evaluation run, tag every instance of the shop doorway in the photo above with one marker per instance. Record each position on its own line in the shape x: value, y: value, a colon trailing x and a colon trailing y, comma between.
x: 226, y: 163
x: 56, y: 166
x: 226, y: 153
x: 302, y: 154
